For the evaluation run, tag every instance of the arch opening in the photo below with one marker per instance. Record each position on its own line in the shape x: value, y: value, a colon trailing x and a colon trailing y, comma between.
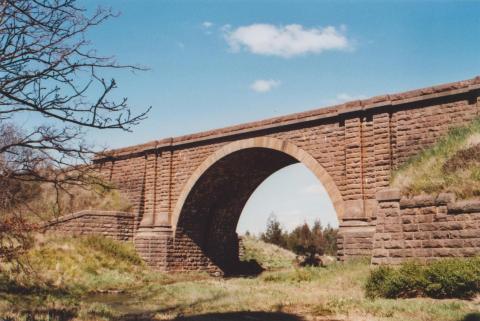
x: 294, y: 195
x: 207, y: 214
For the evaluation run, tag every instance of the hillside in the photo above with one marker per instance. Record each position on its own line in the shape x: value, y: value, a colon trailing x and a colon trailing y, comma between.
x: 269, y: 256
x: 451, y: 165
x: 38, y: 201
x: 78, y: 264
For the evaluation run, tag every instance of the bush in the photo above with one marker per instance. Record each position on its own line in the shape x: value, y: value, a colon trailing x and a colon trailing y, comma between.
x: 388, y: 282
x: 451, y: 278
x: 377, y: 284
x: 410, y: 280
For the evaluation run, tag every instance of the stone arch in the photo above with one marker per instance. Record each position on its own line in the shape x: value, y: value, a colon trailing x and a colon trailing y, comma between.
x: 270, y: 143
x: 209, y: 206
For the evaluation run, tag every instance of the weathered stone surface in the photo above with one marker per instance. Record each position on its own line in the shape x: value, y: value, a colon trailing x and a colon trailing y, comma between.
x: 445, y: 198
x: 470, y: 206
x: 388, y: 194
x: 431, y: 227
x: 118, y: 225
x: 418, y: 201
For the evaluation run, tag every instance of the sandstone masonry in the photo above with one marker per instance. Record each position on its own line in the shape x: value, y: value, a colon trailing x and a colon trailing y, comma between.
x: 117, y: 225
x: 188, y: 192
x: 425, y: 227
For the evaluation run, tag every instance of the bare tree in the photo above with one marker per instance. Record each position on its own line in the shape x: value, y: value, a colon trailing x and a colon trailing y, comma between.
x: 49, y: 69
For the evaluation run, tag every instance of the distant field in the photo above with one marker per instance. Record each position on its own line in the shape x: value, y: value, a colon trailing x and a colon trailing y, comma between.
x: 69, y: 277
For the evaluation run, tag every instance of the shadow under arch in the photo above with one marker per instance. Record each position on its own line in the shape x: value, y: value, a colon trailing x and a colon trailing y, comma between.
x: 207, y: 211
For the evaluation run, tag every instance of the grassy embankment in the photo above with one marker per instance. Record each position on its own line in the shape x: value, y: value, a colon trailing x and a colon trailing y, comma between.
x: 43, y: 204
x: 451, y: 165
x: 67, y: 272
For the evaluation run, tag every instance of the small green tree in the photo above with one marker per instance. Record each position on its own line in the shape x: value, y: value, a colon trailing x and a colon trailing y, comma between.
x: 330, y: 236
x: 303, y: 239
x: 318, y: 238
x: 274, y: 233
x: 300, y: 239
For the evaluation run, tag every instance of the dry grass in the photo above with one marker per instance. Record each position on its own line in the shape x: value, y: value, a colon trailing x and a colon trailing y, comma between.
x: 45, y: 205
x: 270, y: 256
x: 289, y: 294
x: 451, y: 165
x: 77, y: 265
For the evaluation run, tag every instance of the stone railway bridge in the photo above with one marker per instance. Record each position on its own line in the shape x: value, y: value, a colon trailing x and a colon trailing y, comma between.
x: 188, y: 192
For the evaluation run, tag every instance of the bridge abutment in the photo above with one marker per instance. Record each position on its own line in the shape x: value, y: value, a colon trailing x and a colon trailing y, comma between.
x: 153, y: 244
x: 355, y: 239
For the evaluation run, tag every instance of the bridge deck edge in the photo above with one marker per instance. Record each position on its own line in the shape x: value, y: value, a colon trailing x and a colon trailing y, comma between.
x: 389, y: 100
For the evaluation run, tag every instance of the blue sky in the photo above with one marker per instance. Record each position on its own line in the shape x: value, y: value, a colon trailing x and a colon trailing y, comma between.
x: 218, y: 63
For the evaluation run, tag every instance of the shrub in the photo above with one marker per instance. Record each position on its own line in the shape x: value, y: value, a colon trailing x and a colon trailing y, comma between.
x: 378, y: 282
x: 453, y: 278
x: 410, y: 281
x: 450, y: 278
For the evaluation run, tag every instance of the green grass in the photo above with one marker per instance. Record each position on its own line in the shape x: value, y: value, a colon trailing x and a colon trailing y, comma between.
x: 451, y: 165
x: 283, y: 292
x: 79, y: 264
x: 270, y: 257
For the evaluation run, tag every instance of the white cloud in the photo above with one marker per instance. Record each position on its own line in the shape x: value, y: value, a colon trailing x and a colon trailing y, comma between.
x: 207, y: 24
x: 343, y: 97
x: 347, y: 97
x: 285, y: 41
x: 264, y: 85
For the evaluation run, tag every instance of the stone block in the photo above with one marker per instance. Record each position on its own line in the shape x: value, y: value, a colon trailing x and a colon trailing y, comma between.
x: 445, y: 198
x: 354, y: 209
x: 388, y: 195
x: 469, y: 206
